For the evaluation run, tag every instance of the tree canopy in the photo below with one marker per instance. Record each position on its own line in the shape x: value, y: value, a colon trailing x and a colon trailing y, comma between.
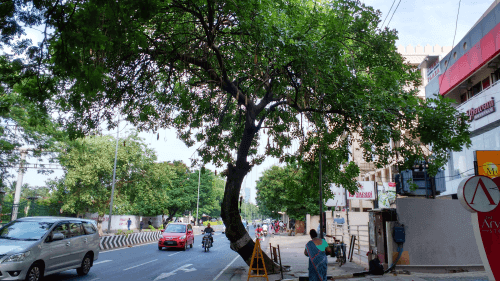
x: 285, y: 189
x: 229, y: 74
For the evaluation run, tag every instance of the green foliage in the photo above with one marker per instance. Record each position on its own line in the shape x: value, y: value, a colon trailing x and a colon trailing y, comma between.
x: 120, y: 232
x: 25, y: 120
x: 87, y: 182
x: 287, y: 189
x: 256, y: 63
x: 212, y: 223
x: 152, y: 228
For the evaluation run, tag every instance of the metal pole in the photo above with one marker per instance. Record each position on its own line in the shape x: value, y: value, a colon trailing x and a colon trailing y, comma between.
x: 114, y: 178
x: 375, y: 185
x: 19, y: 184
x: 347, y: 211
x: 198, y: 202
x: 320, y: 201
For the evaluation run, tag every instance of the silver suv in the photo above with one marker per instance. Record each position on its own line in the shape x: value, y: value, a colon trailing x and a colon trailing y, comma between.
x: 36, y: 246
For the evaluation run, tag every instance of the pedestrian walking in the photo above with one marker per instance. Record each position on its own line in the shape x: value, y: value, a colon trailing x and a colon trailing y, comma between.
x: 129, y: 222
x: 316, y: 250
x: 141, y: 226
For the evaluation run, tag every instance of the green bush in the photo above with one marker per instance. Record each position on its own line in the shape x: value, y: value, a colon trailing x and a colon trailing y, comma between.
x: 152, y: 228
x: 119, y: 232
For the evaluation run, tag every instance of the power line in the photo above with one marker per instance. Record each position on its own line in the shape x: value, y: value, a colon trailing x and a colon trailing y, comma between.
x: 447, y: 62
x: 393, y: 13
x: 387, y: 14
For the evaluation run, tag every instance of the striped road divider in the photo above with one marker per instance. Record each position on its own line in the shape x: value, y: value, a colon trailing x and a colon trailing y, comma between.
x: 117, y: 241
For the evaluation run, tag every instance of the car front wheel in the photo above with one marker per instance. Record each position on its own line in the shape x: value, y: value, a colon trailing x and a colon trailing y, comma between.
x: 86, y: 264
x: 35, y: 273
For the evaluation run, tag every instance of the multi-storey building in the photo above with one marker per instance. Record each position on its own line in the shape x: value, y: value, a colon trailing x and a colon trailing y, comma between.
x: 414, y: 56
x: 469, y: 74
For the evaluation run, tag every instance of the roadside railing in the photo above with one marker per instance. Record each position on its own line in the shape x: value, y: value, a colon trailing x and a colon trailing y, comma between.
x: 345, y: 233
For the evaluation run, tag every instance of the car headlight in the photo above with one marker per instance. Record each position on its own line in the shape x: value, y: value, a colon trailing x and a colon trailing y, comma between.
x: 17, y: 257
x: 183, y: 237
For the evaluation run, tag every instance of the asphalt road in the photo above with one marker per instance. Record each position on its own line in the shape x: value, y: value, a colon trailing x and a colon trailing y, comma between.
x: 146, y: 262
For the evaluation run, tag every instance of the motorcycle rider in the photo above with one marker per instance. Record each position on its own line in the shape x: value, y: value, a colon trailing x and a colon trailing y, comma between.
x: 264, y: 228
x: 258, y: 231
x: 209, y: 230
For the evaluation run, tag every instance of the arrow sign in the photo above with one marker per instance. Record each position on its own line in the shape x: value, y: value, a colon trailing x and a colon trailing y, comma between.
x: 183, y: 268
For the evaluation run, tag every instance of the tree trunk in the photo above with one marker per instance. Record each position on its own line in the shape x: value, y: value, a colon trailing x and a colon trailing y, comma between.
x: 241, y: 242
x: 99, y: 224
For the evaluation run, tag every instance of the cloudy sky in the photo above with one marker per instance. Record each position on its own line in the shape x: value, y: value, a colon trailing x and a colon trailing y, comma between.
x: 417, y: 21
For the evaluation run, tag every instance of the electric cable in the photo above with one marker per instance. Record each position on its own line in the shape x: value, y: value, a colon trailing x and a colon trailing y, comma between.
x: 447, y: 62
x: 393, y: 13
x: 387, y: 14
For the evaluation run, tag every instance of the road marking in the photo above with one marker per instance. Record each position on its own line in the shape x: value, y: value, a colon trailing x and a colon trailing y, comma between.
x: 155, y: 242
x: 101, y: 262
x: 140, y: 264
x: 183, y: 268
x: 95, y: 279
x: 220, y: 273
x: 174, y: 254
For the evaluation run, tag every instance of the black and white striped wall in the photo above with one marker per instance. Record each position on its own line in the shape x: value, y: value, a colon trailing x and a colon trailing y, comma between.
x: 117, y: 241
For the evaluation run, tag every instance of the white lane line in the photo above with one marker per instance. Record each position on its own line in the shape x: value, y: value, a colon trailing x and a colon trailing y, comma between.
x: 174, y: 254
x: 102, y: 252
x: 101, y: 262
x: 95, y: 279
x: 140, y: 264
x: 220, y: 273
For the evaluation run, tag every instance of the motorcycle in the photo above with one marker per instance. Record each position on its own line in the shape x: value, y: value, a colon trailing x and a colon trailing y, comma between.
x: 206, y: 242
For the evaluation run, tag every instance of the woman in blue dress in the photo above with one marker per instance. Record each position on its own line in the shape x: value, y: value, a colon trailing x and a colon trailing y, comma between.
x: 316, y: 250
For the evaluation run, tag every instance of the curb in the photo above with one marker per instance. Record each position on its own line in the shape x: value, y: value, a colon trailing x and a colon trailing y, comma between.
x: 119, y: 241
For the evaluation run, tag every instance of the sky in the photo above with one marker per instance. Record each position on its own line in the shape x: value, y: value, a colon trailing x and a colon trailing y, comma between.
x: 417, y: 21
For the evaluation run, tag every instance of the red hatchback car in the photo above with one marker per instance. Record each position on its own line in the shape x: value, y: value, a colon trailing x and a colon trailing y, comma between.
x: 177, y: 235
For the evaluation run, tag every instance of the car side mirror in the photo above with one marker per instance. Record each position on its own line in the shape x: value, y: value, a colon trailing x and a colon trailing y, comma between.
x: 57, y: 236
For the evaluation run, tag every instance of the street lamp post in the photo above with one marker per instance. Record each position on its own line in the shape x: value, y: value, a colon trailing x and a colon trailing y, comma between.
x: 198, y: 201
x: 114, y: 178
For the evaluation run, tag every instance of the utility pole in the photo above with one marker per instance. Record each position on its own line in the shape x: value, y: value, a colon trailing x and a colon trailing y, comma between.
x: 114, y: 177
x: 198, y: 201
x: 19, y: 183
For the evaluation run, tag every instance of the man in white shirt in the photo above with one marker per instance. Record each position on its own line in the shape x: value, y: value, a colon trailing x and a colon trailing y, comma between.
x: 264, y: 227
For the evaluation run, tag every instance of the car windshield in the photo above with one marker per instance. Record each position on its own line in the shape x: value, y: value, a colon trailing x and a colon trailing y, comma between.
x: 175, y: 228
x: 25, y: 230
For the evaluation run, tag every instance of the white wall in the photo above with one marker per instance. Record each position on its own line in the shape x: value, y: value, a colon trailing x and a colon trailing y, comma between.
x: 120, y: 221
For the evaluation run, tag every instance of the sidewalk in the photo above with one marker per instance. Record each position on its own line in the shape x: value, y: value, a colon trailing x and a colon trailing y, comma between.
x: 292, y: 254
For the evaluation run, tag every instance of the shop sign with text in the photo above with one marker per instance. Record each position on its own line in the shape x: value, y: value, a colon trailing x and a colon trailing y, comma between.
x: 365, y: 191
x: 482, y: 110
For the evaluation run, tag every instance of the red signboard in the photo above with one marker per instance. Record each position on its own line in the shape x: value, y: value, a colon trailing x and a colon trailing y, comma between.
x: 480, y: 195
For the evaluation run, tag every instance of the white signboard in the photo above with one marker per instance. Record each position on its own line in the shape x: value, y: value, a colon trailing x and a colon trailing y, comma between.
x: 339, y: 197
x: 365, y: 191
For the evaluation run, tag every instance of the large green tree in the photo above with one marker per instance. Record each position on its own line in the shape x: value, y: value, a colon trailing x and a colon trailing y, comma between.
x: 221, y: 71
x: 285, y: 189
x: 88, y: 176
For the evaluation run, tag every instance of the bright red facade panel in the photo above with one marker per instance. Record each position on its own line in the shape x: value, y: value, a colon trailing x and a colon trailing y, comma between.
x: 477, y: 56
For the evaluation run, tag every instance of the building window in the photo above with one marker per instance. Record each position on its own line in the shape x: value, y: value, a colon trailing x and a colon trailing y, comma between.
x: 455, y: 55
x: 463, y: 97
x: 475, y: 89
x: 465, y: 45
x: 495, y: 76
x: 486, y: 83
x: 355, y: 209
x: 366, y: 209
